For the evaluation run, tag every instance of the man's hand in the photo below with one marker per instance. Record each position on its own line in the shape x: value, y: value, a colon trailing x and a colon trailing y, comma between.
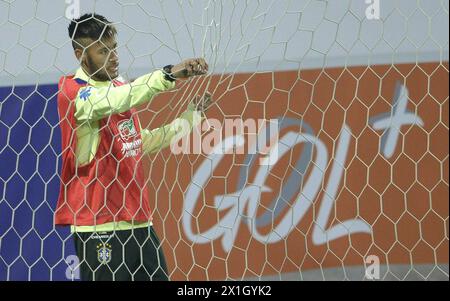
x: 202, y: 104
x: 190, y: 67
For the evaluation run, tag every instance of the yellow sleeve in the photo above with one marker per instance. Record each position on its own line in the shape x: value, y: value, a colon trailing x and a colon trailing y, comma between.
x: 93, y: 103
x: 162, y: 137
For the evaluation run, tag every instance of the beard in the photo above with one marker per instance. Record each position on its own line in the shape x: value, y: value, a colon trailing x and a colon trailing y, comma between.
x: 98, y: 73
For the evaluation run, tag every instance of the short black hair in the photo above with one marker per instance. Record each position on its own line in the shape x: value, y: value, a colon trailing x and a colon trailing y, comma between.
x: 93, y: 26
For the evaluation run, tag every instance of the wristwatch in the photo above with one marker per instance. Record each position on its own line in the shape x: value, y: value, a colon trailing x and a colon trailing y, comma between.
x: 167, y: 70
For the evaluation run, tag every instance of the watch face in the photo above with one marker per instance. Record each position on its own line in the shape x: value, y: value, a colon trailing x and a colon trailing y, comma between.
x: 168, y: 68
x: 168, y: 73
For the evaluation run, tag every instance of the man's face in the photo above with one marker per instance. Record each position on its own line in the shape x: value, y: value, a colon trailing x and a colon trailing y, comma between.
x: 101, y: 60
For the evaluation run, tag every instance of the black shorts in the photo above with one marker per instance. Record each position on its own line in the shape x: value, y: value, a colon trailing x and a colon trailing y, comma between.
x: 124, y: 255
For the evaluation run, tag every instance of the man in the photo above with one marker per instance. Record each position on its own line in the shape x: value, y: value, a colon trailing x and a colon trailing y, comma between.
x: 103, y: 194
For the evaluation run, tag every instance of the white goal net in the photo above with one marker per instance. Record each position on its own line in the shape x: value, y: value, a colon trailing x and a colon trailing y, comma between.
x: 324, y: 157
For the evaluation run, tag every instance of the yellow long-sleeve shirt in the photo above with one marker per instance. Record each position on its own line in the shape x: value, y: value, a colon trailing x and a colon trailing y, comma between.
x: 105, y: 99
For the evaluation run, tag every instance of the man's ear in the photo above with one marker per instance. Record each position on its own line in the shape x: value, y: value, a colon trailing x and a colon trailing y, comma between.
x: 79, y: 54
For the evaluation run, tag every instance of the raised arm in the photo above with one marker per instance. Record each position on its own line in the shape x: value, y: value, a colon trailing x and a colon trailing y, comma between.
x: 97, y: 103
x: 157, y: 139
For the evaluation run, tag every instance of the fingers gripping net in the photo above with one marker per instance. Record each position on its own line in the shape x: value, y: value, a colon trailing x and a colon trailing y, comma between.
x: 324, y: 156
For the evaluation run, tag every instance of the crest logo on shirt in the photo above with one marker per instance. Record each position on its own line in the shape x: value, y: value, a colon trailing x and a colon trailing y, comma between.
x: 104, y: 252
x: 127, y: 129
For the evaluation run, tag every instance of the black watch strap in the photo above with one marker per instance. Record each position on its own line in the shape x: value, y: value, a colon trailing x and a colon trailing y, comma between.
x: 167, y: 70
